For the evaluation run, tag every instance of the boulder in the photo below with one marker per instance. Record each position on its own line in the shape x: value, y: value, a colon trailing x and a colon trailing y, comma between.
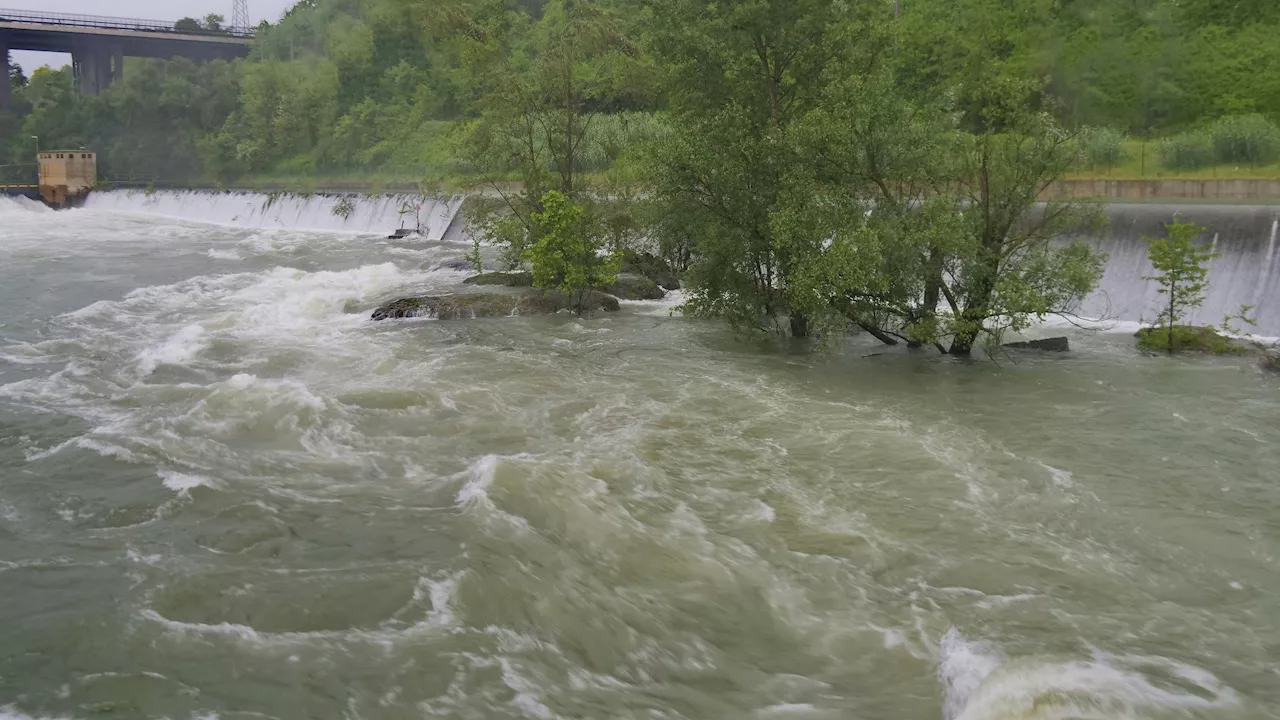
x: 634, y: 287
x: 652, y: 267
x: 496, y: 304
x: 460, y: 265
x: 505, y: 279
x: 1058, y: 344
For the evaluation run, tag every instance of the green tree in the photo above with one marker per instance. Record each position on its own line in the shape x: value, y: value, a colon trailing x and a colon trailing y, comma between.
x: 569, y: 254
x: 188, y: 25
x: 1182, y: 272
x: 738, y: 76
x: 535, y: 81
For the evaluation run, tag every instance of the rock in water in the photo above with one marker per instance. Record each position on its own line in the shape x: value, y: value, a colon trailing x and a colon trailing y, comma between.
x: 1058, y: 344
x: 459, y: 265
x: 506, y: 279
x: 652, y: 267
x: 635, y: 287
x: 1271, y: 359
x: 479, y: 305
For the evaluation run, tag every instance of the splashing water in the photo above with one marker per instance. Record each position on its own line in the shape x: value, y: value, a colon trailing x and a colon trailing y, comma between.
x: 225, y: 491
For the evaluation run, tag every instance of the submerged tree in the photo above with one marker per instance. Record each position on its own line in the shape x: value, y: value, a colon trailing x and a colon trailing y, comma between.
x: 569, y: 254
x: 535, y: 83
x: 1182, y: 272
x: 739, y: 75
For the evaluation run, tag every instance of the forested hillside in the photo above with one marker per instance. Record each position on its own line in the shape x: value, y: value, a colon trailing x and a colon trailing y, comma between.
x: 384, y: 88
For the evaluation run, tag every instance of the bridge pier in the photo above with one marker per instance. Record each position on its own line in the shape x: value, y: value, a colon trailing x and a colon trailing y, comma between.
x: 5, y: 88
x: 91, y: 63
x: 117, y: 63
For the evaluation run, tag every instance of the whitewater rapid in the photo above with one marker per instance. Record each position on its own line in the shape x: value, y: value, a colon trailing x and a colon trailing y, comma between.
x: 225, y: 491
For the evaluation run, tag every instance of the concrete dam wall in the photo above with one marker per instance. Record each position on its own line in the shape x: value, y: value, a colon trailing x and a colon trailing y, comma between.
x: 1247, y: 273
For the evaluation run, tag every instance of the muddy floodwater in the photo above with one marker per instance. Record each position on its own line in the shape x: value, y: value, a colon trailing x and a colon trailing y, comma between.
x: 226, y: 492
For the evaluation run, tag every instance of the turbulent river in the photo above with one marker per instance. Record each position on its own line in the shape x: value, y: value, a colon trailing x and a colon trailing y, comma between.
x: 225, y: 492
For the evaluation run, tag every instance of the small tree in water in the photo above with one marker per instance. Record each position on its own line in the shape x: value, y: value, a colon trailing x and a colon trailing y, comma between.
x: 568, y: 253
x: 1183, y: 274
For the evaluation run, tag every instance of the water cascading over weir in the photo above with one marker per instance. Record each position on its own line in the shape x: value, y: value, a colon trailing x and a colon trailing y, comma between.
x: 436, y: 217
x: 1247, y: 271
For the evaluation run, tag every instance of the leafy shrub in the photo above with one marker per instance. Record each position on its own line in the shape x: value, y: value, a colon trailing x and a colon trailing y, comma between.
x: 1245, y: 139
x: 1188, y: 151
x: 1102, y: 146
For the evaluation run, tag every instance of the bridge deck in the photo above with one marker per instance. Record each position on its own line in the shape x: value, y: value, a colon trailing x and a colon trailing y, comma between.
x: 32, y: 17
x: 50, y: 32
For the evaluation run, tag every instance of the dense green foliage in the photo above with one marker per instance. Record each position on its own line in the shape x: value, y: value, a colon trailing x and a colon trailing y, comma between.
x: 569, y: 253
x: 374, y: 87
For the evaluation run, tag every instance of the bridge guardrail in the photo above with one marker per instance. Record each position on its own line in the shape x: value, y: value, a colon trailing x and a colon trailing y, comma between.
x: 112, y: 23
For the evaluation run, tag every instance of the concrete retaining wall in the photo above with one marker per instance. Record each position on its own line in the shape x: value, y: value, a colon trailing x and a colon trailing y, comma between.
x: 1128, y: 190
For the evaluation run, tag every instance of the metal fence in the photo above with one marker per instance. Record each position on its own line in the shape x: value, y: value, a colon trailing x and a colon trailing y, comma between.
x: 112, y: 23
x: 23, y: 174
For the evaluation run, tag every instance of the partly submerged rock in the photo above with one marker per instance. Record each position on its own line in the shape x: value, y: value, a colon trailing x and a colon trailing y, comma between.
x: 497, y: 304
x: 1058, y: 344
x: 459, y: 265
x: 634, y: 287
x: 652, y: 267
x: 1271, y: 359
x: 506, y: 279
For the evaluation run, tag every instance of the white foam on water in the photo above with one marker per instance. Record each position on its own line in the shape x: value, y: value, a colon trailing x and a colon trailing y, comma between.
x: 481, y: 477
x: 379, y: 214
x: 183, y: 483
x: 528, y: 699
x: 1060, y: 477
x: 179, y: 349
x: 19, y: 204
x: 216, y: 254
x: 962, y: 667
x: 980, y: 683
x: 665, y: 307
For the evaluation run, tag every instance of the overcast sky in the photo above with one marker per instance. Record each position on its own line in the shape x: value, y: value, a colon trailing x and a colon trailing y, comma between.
x: 169, y: 10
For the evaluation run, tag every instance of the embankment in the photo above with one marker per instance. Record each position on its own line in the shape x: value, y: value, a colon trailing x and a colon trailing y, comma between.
x: 1147, y: 190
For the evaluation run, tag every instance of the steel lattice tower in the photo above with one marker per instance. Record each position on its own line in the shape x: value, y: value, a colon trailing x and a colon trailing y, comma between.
x: 240, y: 15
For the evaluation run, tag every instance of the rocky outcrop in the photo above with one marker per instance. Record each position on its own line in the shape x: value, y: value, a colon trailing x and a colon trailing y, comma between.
x: 495, y: 304
x: 1058, y: 344
x: 505, y: 279
x: 652, y: 267
x: 634, y: 287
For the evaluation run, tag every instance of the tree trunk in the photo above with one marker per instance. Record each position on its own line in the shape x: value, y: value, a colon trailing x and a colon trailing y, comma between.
x: 877, y: 333
x: 974, y: 314
x: 932, y: 291
x: 799, y: 325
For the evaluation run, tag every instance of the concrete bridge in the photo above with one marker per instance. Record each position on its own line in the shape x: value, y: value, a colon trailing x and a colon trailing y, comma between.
x: 98, y: 45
